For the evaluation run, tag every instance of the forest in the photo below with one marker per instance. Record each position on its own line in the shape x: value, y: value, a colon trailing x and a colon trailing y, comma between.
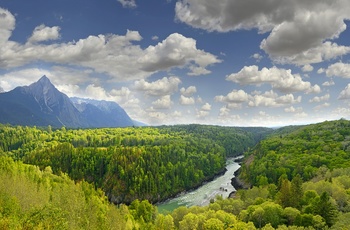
x: 299, y: 177
x: 152, y: 163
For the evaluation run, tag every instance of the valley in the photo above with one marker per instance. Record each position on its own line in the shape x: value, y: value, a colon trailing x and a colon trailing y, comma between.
x: 299, y: 177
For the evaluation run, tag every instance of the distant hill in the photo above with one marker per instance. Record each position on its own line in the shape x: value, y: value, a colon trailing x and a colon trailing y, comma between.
x: 102, y: 113
x: 299, y: 150
x: 41, y: 104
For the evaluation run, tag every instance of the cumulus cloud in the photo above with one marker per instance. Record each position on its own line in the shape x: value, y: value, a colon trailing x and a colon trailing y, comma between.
x: 345, y: 93
x: 257, y: 57
x: 161, y: 87
x: 115, y: 55
x: 320, y: 70
x: 234, y: 97
x: 272, y: 99
x: 122, y: 95
x: 307, y: 68
x: 294, y: 28
x: 7, y: 25
x: 156, y: 117
x: 206, y: 107
x: 163, y: 103
x: 128, y: 3
x: 280, y: 79
x: 320, y: 99
x: 189, y: 91
x: 224, y: 112
x: 204, y: 111
x: 292, y: 109
x: 201, y: 114
x: 319, y: 107
x: 44, y: 33
x: 326, y: 51
x: 341, y: 112
x: 328, y: 83
x: 338, y: 69
x: 177, y: 50
x: 186, y: 100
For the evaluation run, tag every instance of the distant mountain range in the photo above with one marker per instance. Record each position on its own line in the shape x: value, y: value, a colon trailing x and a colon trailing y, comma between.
x: 41, y: 104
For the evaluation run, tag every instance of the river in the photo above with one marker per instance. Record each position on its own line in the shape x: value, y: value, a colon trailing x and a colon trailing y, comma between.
x: 201, y: 196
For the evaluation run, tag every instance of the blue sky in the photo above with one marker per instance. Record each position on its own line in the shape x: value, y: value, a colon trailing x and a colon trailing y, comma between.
x: 223, y: 62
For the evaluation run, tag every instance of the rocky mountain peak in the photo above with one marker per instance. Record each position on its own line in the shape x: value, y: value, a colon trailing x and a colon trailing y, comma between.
x: 41, y: 103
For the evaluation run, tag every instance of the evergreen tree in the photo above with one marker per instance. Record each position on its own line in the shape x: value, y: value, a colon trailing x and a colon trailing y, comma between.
x: 325, y: 208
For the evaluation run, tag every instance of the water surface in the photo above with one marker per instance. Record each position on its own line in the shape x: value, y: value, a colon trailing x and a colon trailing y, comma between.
x: 201, y: 196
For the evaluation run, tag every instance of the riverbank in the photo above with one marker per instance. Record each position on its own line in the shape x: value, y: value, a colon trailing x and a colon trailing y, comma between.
x: 237, y: 183
x: 219, y: 186
x: 181, y: 193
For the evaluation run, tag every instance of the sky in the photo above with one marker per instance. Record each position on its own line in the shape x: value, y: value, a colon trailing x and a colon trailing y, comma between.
x: 225, y: 62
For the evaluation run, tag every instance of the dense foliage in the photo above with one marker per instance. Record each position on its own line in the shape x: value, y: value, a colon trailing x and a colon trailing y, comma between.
x: 302, y: 151
x: 130, y: 163
x: 35, y: 199
x: 300, y: 177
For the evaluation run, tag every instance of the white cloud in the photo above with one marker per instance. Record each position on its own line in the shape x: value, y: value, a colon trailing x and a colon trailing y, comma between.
x: 128, y: 3
x: 161, y: 87
x: 301, y: 115
x: 44, y: 33
x: 320, y: 99
x: 176, y: 50
x: 234, y: 97
x: 186, y: 100
x: 319, y: 107
x: 293, y: 110
x: 341, y: 112
x: 163, y: 102
x: 115, y: 55
x: 297, y: 30
x: 206, y: 107
x: 280, y: 79
x: 224, y: 111
x: 199, y: 100
x: 257, y: 57
x: 320, y: 70
x: 324, y: 52
x: 10, y: 80
x: 189, y: 91
x: 7, y: 25
x: 121, y: 95
x: 155, y: 117
x: 97, y: 92
x: 307, y: 68
x: 177, y: 114
x: 155, y: 38
x: 272, y: 99
x: 345, y: 93
x: 201, y: 114
x: 198, y: 70
x: 328, y: 83
x: 338, y: 69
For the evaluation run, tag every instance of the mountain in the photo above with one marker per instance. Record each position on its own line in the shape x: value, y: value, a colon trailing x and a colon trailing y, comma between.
x: 102, y: 113
x: 41, y: 104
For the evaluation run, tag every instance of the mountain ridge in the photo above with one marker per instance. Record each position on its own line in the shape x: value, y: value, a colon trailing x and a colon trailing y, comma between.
x: 42, y: 104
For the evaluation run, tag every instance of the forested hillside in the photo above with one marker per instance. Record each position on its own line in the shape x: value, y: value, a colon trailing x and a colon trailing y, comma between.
x: 301, y: 150
x: 130, y: 163
x: 300, y: 177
